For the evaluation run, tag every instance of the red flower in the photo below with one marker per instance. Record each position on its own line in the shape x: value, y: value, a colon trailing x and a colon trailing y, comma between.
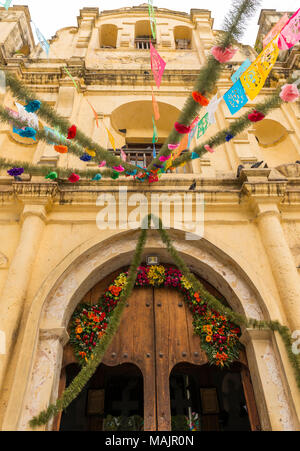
x: 74, y: 178
x: 72, y: 132
x: 182, y: 129
x: 256, y: 116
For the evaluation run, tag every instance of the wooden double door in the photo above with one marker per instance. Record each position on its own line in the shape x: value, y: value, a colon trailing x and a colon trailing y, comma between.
x: 156, y: 335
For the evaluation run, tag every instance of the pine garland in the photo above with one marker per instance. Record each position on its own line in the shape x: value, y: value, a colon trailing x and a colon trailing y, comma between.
x: 74, y: 148
x: 89, y: 369
x: 99, y: 351
x: 46, y: 112
x: 237, y: 318
x: 233, y: 28
x: 239, y: 125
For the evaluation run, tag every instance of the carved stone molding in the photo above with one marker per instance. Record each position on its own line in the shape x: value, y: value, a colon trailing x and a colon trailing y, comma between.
x: 35, y: 193
x: 289, y: 170
x: 3, y: 261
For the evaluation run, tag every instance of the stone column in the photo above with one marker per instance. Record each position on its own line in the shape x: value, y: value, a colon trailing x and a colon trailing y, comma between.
x: 265, y: 197
x: 15, y: 289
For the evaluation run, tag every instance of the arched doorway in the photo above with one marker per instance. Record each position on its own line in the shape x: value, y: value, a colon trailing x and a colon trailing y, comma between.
x: 112, y: 400
x: 206, y: 398
x: 155, y: 335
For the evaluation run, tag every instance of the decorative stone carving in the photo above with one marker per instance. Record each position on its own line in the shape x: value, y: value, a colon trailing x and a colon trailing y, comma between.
x: 289, y: 170
x: 3, y: 261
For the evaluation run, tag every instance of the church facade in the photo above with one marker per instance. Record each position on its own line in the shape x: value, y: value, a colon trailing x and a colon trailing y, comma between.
x: 58, y: 251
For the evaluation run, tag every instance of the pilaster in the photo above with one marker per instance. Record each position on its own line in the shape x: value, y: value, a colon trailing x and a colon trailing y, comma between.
x: 265, y: 197
x: 36, y: 200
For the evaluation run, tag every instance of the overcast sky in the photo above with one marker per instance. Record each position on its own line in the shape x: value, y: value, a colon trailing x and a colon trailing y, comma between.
x: 50, y: 16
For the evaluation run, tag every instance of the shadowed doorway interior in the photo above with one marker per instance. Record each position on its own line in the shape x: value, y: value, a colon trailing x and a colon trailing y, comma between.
x: 206, y: 398
x: 111, y: 401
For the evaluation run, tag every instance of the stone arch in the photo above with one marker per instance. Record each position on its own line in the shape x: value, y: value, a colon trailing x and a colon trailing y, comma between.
x: 269, y: 132
x: 45, y: 333
x: 183, y: 37
x: 108, y: 35
x: 136, y: 119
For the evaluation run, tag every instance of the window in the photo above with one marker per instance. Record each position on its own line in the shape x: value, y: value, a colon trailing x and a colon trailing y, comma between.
x: 183, y: 37
x: 143, y: 35
x: 108, y: 36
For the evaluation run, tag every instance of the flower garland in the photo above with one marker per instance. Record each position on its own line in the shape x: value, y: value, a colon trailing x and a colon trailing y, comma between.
x: 218, y: 336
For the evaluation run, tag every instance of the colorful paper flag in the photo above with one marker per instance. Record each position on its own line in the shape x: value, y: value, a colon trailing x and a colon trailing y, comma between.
x: 236, y: 97
x: 6, y: 4
x: 212, y: 108
x: 31, y: 119
x: 155, y: 134
x: 123, y: 155
x: 182, y: 146
x: 94, y: 112
x: 202, y: 126
x: 154, y: 151
x: 152, y: 18
x: 290, y: 34
x: 111, y: 139
x: 241, y: 70
x: 191, y: 135
x: 157, y: 65
x: 72, y: 78
x: 42, y: 40
x: 155, y: 106
x: 2, y: 82
x: 254, y: 78
x: 275, y: 30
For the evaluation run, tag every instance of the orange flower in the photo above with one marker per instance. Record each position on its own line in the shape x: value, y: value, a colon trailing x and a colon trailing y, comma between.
x: 197, y: 297
x: 208, y: 338
x: 78, y: 330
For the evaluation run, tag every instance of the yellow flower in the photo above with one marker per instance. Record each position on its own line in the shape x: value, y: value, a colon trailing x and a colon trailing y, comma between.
x: 156, y: 275
x: 121, y: 280
x: 185, y: 283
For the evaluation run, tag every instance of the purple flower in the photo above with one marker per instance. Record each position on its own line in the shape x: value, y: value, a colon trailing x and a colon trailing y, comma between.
x: 14, y: 172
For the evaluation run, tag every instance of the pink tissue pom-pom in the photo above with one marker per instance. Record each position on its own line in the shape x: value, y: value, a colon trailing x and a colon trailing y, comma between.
x: 102, y: 164
x: 118, y: 168
x: 209, y: 149
x: 163, y: 158
x: 223, y: 55
x: 173, y: 146
x: 289, y: 93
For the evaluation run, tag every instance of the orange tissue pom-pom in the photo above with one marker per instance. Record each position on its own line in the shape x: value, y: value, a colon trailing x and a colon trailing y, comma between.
x: 61, y: 149
x: 199, y: 98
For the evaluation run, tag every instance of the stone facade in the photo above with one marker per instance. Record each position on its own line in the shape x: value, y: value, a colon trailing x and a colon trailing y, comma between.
x: 52, y: 252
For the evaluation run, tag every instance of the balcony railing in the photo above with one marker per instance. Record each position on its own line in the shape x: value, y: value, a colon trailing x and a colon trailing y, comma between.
x: 143, y: 42
x: 140, y: 156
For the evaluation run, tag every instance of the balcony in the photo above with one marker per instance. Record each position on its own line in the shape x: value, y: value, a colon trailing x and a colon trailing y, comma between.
x: 143, y: 42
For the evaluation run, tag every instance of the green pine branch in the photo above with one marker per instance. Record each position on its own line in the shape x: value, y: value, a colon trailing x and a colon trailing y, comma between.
x: 233, y: 28
x: 79, y: 382
x: 46, y: 112
x: 238, y: 126
x: 90, y: 368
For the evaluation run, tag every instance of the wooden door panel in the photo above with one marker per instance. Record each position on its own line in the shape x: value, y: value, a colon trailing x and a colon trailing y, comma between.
x: 174, y: 343
x: 134, y: 343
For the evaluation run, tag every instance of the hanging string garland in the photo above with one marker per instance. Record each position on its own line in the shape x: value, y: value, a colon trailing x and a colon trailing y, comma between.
x: 115, y: 308
x: 46, y: 112
x: 234, y: 24
x: 219, y: 337
x: 239, y: 125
